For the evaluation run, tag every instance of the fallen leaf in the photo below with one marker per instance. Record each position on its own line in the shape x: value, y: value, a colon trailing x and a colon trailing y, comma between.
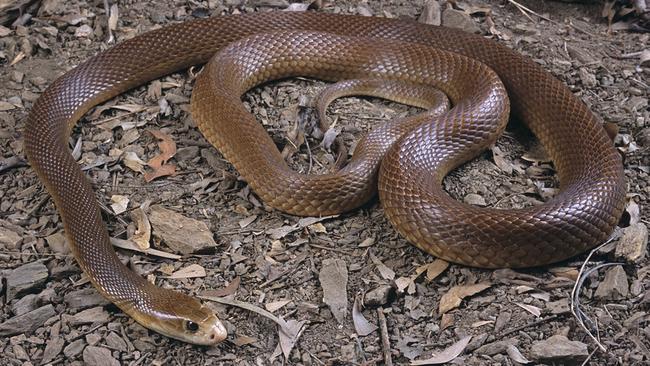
x: 408, y: 351
x: 129, y: 245
x: 515, y: 355
x: 361, y: 325
x: 632, y: 209
x: 481, y: 323
x: 226, y: 291
x: 191, y: 271
x: 530, y: 308
x: 446, y: 321
x: 333, y: 278
x: 367, y: 242
x: 289, y: 336
x: 247, y: 221
x: 449, y: 354
x: 433, y: 269
x: 120, y: 203
x: 243, y: 340
x: 318, y: 228
x: 386, y: 273
x: 276, y: 305
x: 402, y: 283
x: 565, y: 272
x: 143, y: 228
x: 133, y: 162
x: 113, y: 17
x: 158, y: 163
x: 456, y: 294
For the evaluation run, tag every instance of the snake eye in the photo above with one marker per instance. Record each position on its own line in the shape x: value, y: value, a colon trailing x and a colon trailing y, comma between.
x: 191, y: 326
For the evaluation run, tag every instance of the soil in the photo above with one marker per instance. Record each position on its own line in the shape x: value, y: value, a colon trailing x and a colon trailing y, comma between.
x: 520, y: 309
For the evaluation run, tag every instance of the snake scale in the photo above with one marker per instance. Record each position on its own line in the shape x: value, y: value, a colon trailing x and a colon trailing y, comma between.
x: 414, y: 158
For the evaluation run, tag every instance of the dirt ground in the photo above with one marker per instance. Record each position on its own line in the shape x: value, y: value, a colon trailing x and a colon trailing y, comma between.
x: 281, y: 263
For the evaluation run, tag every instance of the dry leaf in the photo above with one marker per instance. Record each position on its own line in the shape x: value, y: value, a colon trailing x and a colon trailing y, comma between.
x: 247, y: 221
x: 289, y: 336
x: 530, y: 308
x: 433, y: 269
x: 129, y: 245
x: 226, y: 291
x: 386, y: 273
x: 367, y: 242
x: 515, y: 355
x: 402, y: 283
x: 158, y: 163
x: 407, y: 350
x: 456, y: 294
x: 447, y: 355
x: 132, y: 161
x: 143, y: 228
x: 243, y: 340
x: 632, y: 209
x: 276, y: 305
x: 361, y: 325
x: 120, y: 203
x: 446, y: 321
x: 333, y: 278
x: 112, y: 19
x: 191, y: 271
x: 481, y: 323
x: 565, y: 272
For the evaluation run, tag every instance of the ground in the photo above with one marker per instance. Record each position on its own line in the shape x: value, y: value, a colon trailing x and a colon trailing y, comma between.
x: 273, y: 260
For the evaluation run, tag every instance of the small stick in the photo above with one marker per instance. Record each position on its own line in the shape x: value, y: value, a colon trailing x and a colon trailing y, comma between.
x: 385, y: 342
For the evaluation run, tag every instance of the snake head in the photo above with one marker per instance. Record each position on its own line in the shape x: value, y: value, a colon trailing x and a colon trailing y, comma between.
x: 181, y: 317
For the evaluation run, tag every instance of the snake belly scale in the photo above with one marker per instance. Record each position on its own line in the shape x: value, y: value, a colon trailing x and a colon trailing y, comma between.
x: 582, y: 215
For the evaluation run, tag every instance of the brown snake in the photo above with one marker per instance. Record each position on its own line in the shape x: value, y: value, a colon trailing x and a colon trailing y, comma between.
x: 590, y: 170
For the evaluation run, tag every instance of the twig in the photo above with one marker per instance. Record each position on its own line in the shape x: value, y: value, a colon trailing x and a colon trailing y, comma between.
x: 524, y: 10
x: 575, y: 293
x: 385, y: 342
x: 536, y: 322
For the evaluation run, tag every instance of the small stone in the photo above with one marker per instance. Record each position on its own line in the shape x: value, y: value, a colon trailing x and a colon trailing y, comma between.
x: 74, y: 349
x: 9, y: 239
x: 84, y: 298
x: 26, y: 278
x: 633, y: 244
x: 25, y: 304
x: 348, y: 353
x: 58, y: 243
x: 614, y: 286
x: 588, y: 78
x: 89, y: 316
x: 83, y: 31
x: 182, y: 234
x: 93, y: 338
x: 497, y: 347
x: 474, y: 199
x: 28, y: 322
x: 559, y: 307
x: 378, y: 296
x: 52, y: 349
x: 114, y: 341
x: 559, y: 348
x: 459, y: 19
x: 187, y: 153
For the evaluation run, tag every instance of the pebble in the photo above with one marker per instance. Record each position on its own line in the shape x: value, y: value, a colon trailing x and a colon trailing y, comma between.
x: 114, y: 341
x: 497, y: 347
x: 614, y: 286
x: 84, y: 298
x: 378, y: 296
x: 559, y: 348
x: 52, y: 349
x: 459, y: 19
x: 28, y: 322
x: 9, y: 239
x: 634, y: 243
x: 474, y: 199
x: 182, y: 234
x: 74, y: 349
x: 559, y: 307
x: 89, y: 316
x: 26, y: 278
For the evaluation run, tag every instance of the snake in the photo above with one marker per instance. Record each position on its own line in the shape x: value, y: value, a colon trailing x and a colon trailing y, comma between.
x: 416, y: 154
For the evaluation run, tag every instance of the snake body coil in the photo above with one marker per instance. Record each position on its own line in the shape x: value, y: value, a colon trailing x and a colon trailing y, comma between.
x: 590, y: 170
